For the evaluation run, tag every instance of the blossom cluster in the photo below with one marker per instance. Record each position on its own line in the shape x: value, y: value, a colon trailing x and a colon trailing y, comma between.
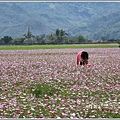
x: 79, y: 91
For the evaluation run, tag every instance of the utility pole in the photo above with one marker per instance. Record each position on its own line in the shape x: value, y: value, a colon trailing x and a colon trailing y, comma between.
x: 29, y: 34
x: 68, y: 35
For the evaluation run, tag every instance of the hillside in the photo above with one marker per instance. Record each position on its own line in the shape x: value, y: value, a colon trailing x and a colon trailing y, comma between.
x: 106, y: 26
x: 90, y: 19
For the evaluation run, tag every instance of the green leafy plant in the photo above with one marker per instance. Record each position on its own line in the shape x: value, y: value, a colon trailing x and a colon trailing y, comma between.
x: 41, y: 90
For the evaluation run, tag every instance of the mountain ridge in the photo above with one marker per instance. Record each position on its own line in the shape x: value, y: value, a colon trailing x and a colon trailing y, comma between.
x: 81, y: 18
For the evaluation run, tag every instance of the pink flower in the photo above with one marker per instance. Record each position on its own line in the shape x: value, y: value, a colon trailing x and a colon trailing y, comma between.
x: 1, y: 106
x: 75, y: 86
x: 3, y: 116
x: 88, y: 65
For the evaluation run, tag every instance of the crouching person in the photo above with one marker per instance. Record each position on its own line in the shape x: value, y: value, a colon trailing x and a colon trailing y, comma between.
x: 82, y: 58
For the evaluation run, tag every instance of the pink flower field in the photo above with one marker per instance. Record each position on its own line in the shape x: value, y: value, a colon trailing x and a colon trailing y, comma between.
x: 47, y: 84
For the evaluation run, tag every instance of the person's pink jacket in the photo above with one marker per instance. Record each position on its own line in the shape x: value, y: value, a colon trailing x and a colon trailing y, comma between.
x: 78, y: 58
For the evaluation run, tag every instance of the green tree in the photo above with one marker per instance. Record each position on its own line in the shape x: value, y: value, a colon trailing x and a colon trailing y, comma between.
x: 1, y: 42
x: 6, y: 39
x: 40, y: 38
x: 60, y: 34
x: 52, y: 38
x: 118, y: 41
x: 81, y: 39
x: 57, y: 32
x: 103, y: 38
x: 17, y: 41
x: 57, y: 35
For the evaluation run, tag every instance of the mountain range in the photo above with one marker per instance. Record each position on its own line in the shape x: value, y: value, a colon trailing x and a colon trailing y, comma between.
x: 92, y: 20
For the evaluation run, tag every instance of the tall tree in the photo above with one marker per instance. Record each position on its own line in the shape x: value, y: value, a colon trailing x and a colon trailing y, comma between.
x: 57, y: 35
x: 60, y: 35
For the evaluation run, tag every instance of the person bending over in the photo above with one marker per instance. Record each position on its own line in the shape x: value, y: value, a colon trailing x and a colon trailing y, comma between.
x: 82, y: 58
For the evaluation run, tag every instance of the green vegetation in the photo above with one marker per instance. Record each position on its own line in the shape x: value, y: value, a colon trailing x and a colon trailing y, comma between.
x: 34, y: 47
x: 41, y: 90
x: 59, y: 37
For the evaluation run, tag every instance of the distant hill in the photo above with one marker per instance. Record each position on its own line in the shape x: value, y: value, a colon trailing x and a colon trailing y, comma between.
x: 90, y: 19
x: 106, y: 26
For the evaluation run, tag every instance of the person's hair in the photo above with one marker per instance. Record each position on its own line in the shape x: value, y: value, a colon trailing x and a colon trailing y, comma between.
x: 84, y: 55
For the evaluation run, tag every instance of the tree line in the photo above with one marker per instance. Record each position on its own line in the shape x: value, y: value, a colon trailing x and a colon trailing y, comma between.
x: 58, y: 37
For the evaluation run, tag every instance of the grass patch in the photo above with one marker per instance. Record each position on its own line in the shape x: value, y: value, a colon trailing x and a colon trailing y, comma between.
x: 33, y: 47
x: 41, y: 90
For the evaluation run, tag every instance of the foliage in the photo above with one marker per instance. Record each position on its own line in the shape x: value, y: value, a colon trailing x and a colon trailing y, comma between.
x: 118, y: 41
x: 6, y: 39
x: 81, y: 39
x: 60, y: 35
x: 40, y: 90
